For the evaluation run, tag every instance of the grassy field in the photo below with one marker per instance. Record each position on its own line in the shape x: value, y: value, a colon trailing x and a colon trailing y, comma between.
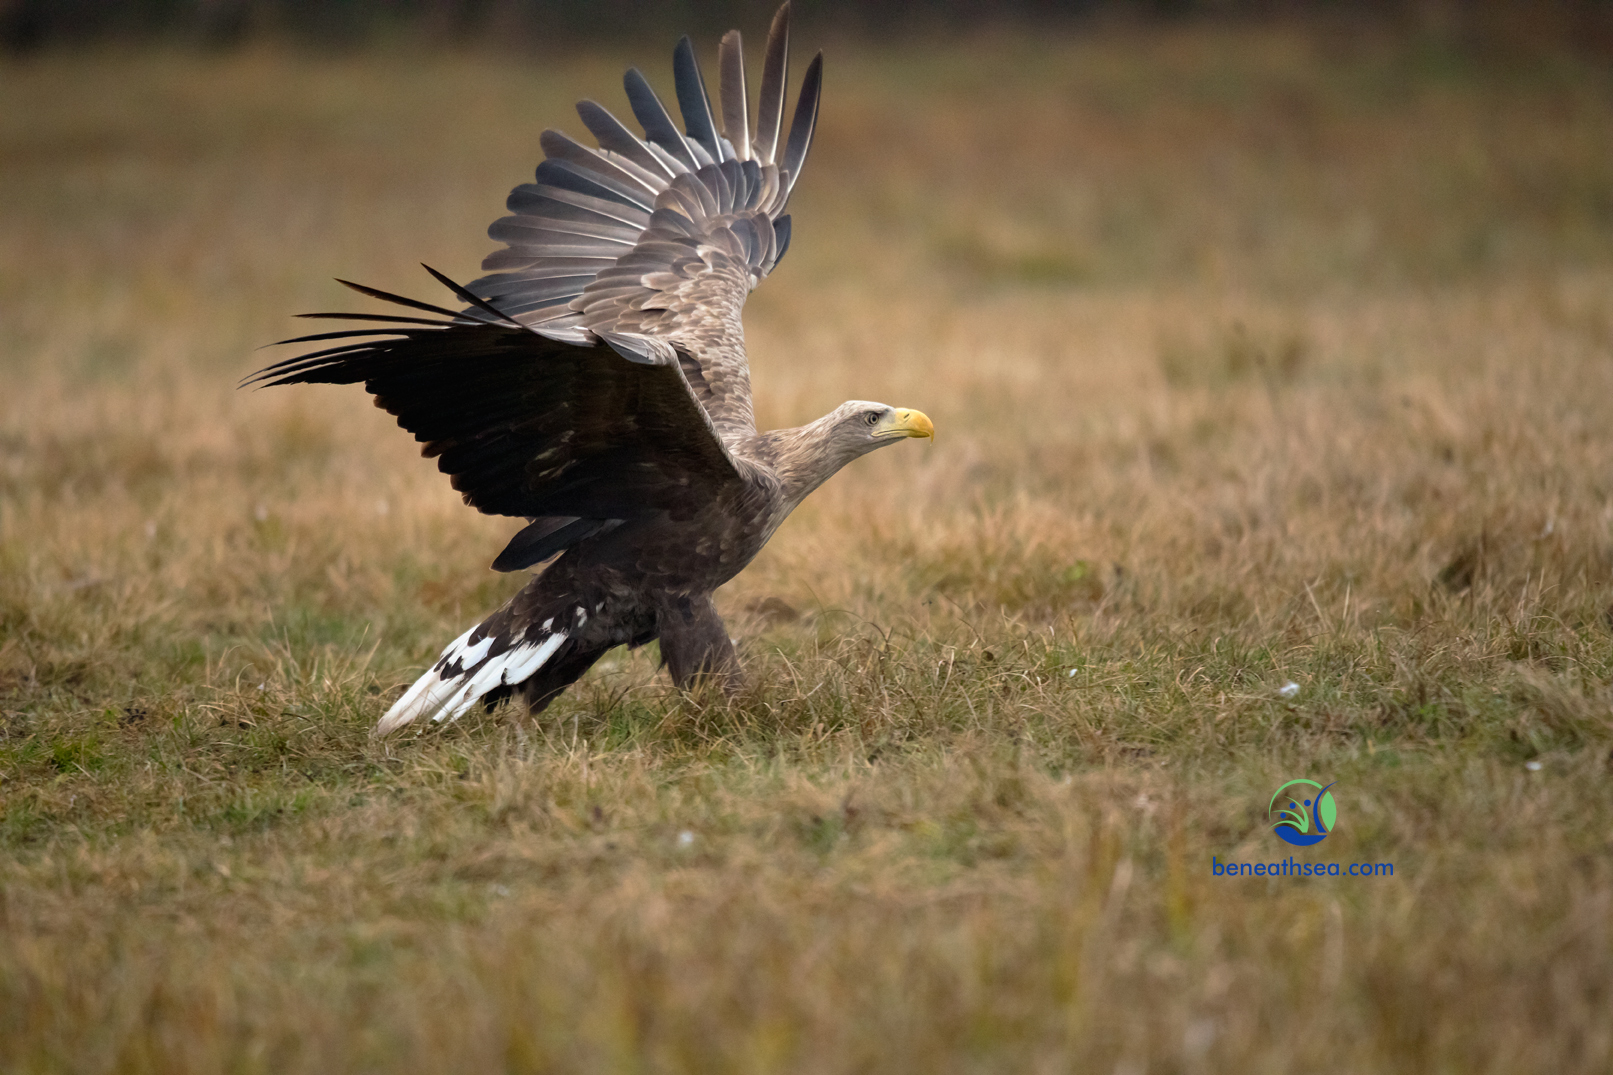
x: 1257, y: 358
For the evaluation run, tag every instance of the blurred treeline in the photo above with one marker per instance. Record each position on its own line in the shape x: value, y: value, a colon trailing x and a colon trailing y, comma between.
x: 1496, y: 29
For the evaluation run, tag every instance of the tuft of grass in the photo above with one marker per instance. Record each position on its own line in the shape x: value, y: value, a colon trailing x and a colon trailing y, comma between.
x: 1272, y: 379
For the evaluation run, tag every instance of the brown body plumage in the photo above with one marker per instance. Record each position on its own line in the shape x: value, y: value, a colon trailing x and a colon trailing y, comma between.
x: 596, y: 384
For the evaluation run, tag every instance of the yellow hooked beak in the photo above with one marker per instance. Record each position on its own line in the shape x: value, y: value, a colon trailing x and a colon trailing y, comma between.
x: 906, y: 423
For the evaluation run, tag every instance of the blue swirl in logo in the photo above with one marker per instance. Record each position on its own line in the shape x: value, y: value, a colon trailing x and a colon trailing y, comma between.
x: 1303, y: 824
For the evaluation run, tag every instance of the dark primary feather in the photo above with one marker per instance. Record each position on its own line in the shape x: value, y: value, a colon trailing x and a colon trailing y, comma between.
x: 565, y: 215
x: 497, y: 316
x: 387, y: 296
x: 653, y: 117
x: 611, y: 135
x: 692, y: 99
x: 775, y: 73
x: 806, y: 120
x: 585, y: 171
x: 389, y: 318
x: 735, y: 119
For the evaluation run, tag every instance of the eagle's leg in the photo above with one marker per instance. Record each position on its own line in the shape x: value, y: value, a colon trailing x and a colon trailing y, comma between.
x: 695, y: 645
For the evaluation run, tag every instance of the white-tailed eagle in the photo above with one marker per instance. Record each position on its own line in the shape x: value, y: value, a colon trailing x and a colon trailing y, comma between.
x: 595, y: 384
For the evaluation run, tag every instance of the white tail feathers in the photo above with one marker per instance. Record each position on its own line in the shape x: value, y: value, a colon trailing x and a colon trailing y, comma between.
x: 467, y: 671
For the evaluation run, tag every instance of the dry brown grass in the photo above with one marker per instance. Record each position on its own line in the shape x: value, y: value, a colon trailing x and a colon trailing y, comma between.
x: 1255, y: 357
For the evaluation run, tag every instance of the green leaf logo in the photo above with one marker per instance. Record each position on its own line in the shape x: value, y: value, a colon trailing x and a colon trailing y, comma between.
x: 1307, y: 817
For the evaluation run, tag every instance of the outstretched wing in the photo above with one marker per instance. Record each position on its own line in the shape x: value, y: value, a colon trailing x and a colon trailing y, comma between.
x: 575, y: 437
x: 663, y: 235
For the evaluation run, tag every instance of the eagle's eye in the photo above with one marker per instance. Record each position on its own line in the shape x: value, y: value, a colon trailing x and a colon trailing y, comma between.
x: 871, y: 417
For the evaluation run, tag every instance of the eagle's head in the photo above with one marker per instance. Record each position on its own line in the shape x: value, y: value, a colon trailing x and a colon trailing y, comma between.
x: 806, y: 457
x: 857, y: 427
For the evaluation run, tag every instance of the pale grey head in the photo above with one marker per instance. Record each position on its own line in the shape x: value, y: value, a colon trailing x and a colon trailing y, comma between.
x: 808, y: 456
x: 857, y: 427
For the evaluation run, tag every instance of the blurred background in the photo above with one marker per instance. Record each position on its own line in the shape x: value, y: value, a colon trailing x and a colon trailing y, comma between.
x: 1495, y: 27
x: 1178, y: 276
